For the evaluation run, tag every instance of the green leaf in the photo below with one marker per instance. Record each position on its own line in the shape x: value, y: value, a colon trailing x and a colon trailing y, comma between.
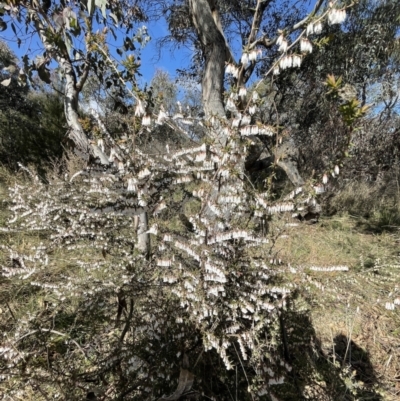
x: 113, y: 33
x: 44, y: 74
x: 128, y: 44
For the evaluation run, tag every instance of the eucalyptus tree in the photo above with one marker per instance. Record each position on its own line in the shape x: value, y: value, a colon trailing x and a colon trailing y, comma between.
x: 69, y: 36
x: 253, y: 39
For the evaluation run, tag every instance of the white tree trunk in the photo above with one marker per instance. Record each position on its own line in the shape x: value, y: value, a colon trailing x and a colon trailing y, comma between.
x: 206, y: 21
x: 143, y: 236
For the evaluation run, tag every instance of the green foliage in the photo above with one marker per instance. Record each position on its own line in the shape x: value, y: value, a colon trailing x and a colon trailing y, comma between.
x: 351, y: 108
x: 32, y: 127
x: 352, y: 111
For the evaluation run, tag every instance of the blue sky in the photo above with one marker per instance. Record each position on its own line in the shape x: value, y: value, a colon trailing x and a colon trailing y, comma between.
x: 151, y: 58
x: 167, y: 60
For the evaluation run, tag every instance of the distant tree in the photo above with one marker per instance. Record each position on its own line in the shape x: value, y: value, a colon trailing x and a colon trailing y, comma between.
x: 32, y: 122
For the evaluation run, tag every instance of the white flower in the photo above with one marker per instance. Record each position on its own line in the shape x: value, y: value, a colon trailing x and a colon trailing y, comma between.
x: 139, y: 109
x: 121, y: 166
x: 296, y: 60
x: 100, y: 144
x: 143, y: 173
x: 310, y: 29
x: 318, y: 28
x: 336, y: 170
x: 252, y: 110
x: 245, y: 130
x: 228, y: 68
x: 146, y: 120
x: 232, y: 70
x: 276, y: 70
x: 254, y: 130
x: 245, y: 59
x: 242, y: 92
x: 305, y: 45
x: 280, y: 40
x: 235, y: 72
x: 132, y: 185
x: 253, y: 55
x: 283, y: 46
x: 162, y: 115
x: 325, y: 179
x: 336, y: 16
x: 246, y: 120
x: 153, y: 229
x: 286, y: 62
x: 255, y: 96
x: 266, y: 131
x: 236, y: 121
x: 230, y: 105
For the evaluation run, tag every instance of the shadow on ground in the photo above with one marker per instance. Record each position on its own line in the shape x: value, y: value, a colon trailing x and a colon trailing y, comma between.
x: 343, y: 373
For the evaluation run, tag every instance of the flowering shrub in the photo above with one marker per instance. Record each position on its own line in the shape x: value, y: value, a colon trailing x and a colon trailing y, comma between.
x: 108, y: 316
x: 112, y: 312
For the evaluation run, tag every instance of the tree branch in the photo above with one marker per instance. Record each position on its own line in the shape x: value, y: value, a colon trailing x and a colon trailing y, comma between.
x: 258, y: 14
x: 84, y: 76
x: 267, y: 43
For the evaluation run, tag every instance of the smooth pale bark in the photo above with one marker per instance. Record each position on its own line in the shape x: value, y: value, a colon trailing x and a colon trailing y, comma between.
x: 216, y: 53
x: 71, y: 106
x: 143, y: 236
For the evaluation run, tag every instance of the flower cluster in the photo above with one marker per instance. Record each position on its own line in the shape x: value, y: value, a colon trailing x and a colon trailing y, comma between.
x: 201, y: 281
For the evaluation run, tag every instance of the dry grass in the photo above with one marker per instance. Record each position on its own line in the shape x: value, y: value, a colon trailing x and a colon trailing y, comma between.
x: 338, y: 240
x: 348, y: 309
x: 377, y: 202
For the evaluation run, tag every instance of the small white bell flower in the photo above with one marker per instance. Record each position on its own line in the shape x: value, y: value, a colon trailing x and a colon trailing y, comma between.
x: 318, y: 28
x: 242, y: 92
x: 336, y: 170
x: 245, y: 59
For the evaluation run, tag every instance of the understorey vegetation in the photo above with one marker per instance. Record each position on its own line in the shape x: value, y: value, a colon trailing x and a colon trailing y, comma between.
x: 176, y: 248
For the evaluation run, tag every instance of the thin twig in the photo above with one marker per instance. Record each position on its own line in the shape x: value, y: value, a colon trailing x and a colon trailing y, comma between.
x: 245, y: 375
x: 52, y: 332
